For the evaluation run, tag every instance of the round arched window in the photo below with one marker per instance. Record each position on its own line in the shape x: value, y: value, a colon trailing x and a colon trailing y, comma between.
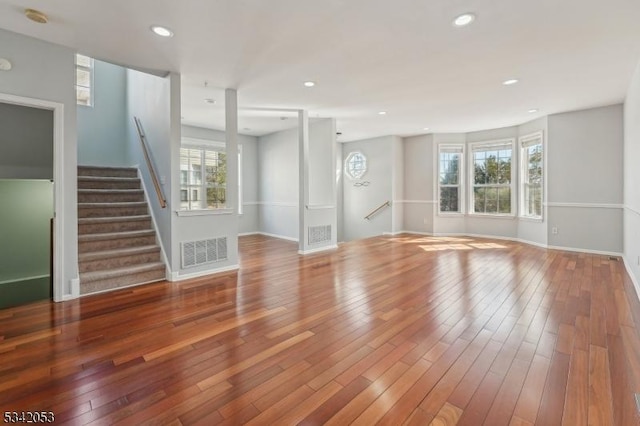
x: 355, y: 166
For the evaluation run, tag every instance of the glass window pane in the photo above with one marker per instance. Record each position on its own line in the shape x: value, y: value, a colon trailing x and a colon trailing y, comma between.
x: 83, y: 78
x: 449, y: 199
x: 83, y: 61
x: 83, y: 96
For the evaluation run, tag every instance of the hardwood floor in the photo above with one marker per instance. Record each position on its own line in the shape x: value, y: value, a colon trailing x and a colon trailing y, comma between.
x: 390, y: 330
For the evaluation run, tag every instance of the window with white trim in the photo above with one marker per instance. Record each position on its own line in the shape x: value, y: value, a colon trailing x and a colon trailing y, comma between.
x: 491, y: 178
x: 203, y: 178
x: 355, y: 166
x: 531, y: 175
x: 450, y: 178
x: 84, y: 80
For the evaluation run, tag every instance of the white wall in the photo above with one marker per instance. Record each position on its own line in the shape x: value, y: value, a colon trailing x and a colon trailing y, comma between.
x: 397, y: 185
x: 358, y: 201
x: 278, y: 184
x: 419, y: 195
x: 321, y: 208
x: 248, y: 220
x: 632, y: 178
x: 43, y: 70
x: 585, y: 179
x: 102, y: 128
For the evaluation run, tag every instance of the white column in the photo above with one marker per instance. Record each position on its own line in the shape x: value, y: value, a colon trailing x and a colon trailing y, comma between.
x: 303, y: 171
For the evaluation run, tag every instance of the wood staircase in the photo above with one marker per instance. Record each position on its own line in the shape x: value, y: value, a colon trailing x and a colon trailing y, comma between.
x: 117, y: 244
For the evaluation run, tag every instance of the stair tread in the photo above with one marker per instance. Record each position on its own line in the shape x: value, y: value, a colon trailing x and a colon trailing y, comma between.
x: 116, y: 235
x: 88, y: 166
x: 128, y: 251
x: 118, y: 272
x: 109, y: 219
x: 107, y: 178
x: 109, y: 191
x: 118, y: 204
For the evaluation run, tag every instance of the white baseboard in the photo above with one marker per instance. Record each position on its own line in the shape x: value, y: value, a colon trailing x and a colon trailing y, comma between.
x: 282, y: 237
x: 246, y: 234
x: 318, y: 250
x: 579, y: 250
x: 634, y: 280
x: 177, y: 276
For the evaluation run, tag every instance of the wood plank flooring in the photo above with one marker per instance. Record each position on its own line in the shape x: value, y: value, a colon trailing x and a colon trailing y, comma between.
x: 390, y: 330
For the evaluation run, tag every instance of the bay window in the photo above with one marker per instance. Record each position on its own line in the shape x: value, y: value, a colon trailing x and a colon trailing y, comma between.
x: 491, y: 178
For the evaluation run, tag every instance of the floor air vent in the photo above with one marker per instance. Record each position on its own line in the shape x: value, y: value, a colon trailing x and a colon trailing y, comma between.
x: 196, y: 253
x: 319, y: 234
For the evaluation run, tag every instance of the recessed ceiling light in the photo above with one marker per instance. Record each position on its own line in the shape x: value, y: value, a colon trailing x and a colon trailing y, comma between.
x: 464, y: 19
x: 382, y: 113
x: 425, y: 129
x: 210, y: 101
x: 309, y: 83
x: 36, y: 16
x: 510, y: 81
x: 533, y: 110
x: 162, y: 31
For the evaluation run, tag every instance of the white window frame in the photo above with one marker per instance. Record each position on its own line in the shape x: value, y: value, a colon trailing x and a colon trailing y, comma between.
x: 90, y: 69
x: 452, y: 148
x: 347, y: 170
x: 202, y: 145
x: 524, y: 142
x: 488, y: 145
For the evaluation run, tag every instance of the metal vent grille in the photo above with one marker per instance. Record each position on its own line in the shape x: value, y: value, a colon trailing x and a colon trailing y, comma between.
x: 319, y: 234
x: 196, y: 253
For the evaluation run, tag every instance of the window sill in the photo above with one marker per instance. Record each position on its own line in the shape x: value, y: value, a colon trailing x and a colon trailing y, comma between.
x: 531, y: 219
x: 491, y: 216
x: 450, y: 215
x: 203, y: 212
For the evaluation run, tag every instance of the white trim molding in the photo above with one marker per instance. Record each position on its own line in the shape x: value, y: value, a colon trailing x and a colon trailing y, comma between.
x: 178, y: 276
x: 586, y: 205
x: 60, y: 188
x: 282, y: 237
x: 416, y: 201
x: 318, y: 250
x: 203, y: 212
x: 320, y: 207
x: 167, y: 265
x: 634, y: 280
x: 632, y: 210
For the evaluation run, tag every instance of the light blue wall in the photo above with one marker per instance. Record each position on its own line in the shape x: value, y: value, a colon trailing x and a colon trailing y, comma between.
x: 102, y: 127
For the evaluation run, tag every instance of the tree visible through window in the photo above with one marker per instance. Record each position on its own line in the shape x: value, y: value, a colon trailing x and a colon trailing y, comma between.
x: 491, y: 179
x: 203, y: 179
x: 84, y: 80
x: 531, y: 176
x: 450, y: 159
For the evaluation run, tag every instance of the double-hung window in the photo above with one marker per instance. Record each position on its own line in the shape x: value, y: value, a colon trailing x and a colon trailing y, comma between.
x: 203, y: 178
x: 531, y: 175
x: 491, y: 178
x: 450, y: 178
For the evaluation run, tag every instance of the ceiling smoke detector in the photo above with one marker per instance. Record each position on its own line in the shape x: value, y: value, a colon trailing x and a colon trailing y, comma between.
x: 36, y: 16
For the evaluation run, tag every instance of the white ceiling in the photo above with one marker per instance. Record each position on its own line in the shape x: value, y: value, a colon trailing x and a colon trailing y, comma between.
x: 400, y: 56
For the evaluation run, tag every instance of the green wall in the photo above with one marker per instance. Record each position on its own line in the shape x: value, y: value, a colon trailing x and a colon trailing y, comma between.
x: 27, y: 207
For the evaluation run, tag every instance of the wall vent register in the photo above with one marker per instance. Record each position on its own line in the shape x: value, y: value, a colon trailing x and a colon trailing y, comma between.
x: 196, y: 253
x: 319, y: 234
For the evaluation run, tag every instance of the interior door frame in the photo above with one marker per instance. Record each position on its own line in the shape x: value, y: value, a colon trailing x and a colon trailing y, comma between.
x: 58, y: 181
